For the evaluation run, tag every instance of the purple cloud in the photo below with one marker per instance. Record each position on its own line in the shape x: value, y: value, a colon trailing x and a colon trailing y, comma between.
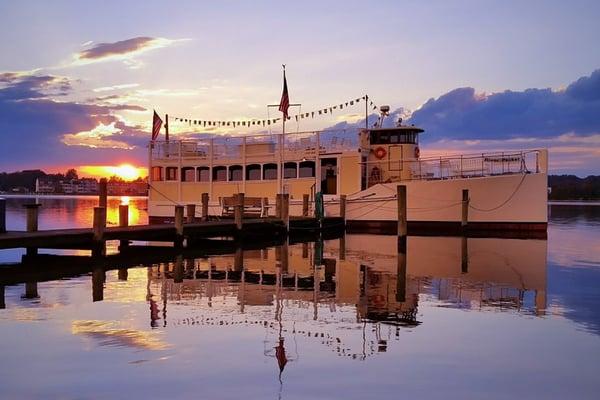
x: 33, y: 124
x: 120, y: 48
x: 463, y: 114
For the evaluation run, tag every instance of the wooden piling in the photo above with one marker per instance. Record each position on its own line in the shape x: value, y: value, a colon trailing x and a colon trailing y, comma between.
x: 239, y: 211
x: 285, y: 210
x: 123, y: 221
x: 123, y: 274
x: 238, y: 259
x: 178, y: 225
x: 465, y: 209
x: 343, y: 207
x: 178, y: 269
x: 204, y: 206
x: 278, y: 201
x: 103, y: 193
x: 305, y: 199
x: 32, y: 223
x: 2, y: 215
x: 191, y: 213
x: 402, y: 223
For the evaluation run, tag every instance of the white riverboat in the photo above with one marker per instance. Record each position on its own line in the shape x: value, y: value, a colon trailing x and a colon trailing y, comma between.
x: 507, y: 191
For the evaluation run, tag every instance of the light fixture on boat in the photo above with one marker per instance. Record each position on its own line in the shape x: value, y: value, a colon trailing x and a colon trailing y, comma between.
x: 385, y: 111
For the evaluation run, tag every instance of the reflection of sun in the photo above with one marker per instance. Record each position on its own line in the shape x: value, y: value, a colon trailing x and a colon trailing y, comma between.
x: 127, y: 172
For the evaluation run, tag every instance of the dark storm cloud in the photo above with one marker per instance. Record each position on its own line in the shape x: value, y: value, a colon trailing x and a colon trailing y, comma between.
x: 122, y: 47
x: 533, y: 113
x: 32, y: 124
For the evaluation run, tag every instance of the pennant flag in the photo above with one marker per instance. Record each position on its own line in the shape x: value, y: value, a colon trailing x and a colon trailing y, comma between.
x: 156, y: 125
x: 284, y: 104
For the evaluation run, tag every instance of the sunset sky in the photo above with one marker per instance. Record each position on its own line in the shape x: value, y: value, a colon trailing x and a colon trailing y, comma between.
x: 79, y: 80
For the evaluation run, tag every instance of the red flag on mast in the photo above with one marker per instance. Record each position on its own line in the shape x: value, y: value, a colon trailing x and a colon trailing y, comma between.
x: 284, y: 104
x: 156, y: 125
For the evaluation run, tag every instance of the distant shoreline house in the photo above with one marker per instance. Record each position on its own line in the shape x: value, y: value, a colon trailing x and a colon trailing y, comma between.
x: 87, y: 186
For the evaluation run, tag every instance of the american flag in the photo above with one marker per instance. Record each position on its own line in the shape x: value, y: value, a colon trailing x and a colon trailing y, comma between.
x: 284, y: 104
x: 156, y: 125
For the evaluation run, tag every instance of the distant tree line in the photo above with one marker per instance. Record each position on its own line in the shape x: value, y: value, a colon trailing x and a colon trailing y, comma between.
x: 571, y: 187
x: 26, y: 179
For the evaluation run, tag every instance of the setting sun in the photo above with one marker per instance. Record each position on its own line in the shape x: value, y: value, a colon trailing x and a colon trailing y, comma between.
x: 126, y: 172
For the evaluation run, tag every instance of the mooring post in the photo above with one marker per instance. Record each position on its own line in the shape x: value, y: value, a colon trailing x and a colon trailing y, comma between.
x: 278, y: 201
x: 2, y: 215
x: 123, y: 274
x: 342, y: 253
x: 239, y: 211
x: 285, y: 211
x: 465, y: 209
x: 178, y: 226
x: 123, y: 222
x: 99, y: 226
x: 305, y: 198
x: 103, y: 193
x: 191, y: 213
x: 402, y: 224
x: 204, y: 206
x: 32, y: 223
x: 343, y: 207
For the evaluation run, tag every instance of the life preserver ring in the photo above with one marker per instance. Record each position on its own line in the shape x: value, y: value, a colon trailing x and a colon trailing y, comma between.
x: 417, y: 152
x: 380, y: 152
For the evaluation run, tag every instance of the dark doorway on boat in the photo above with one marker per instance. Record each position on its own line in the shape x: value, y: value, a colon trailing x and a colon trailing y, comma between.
x: 329, y: 175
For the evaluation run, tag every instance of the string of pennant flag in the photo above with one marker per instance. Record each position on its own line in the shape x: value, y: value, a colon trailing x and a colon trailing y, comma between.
x: 268, y: 122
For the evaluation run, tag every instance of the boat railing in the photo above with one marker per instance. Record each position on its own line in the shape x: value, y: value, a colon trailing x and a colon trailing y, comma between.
x: 468, y: 165
x: 300, y: 145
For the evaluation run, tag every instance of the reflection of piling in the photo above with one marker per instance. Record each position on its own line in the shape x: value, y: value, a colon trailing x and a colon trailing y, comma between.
x: 284, y: 258
x: 540, y: 302
x: 98, y: 278
x: 123, y: 274
x: 464, y: 255
x: 31, y: 290
x: 204, y: 206
x: 401, y: 273
x: 238, y: 259
x: 123, y: 221
x: 465, y: 210
x: 32, y: 223
x: 178, y: 269
x: 2, y: 300
x: 402, y: 223
x: 103, y: 193
x: 2, y: 215
x: 99, y: 227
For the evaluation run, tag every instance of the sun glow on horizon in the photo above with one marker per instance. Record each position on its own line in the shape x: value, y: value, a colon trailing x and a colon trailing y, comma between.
x: 126, y: 172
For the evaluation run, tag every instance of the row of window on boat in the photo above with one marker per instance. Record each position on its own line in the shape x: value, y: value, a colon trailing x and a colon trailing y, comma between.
x: 233, y: 173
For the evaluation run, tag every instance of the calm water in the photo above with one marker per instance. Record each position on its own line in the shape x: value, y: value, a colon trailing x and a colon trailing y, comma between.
x: 454, y: 318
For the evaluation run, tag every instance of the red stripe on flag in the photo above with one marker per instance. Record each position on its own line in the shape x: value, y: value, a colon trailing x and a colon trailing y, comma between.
x: 156, y: 125
x: 284, y: 104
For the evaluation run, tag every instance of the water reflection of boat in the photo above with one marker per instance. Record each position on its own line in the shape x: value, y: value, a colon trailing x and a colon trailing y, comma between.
x: 372, y: 276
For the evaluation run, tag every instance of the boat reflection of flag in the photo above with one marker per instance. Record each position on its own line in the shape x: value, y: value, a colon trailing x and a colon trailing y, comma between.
x: 280, y: 355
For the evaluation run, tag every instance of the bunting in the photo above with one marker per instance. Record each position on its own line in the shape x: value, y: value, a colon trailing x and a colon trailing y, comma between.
x: 329, y: 110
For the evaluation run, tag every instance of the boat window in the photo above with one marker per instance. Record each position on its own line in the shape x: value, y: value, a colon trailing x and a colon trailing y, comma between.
x: 236, y: 173
x: 393, y: 138
x: 171, y: 173
x: 187, y: 174
x: 307, y: 169
x: 157, y: 173
x: 253, y: 172
x: 270, y: 171
x: 203, y: 174
x: 290, y: 170
x: 220, y: 174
